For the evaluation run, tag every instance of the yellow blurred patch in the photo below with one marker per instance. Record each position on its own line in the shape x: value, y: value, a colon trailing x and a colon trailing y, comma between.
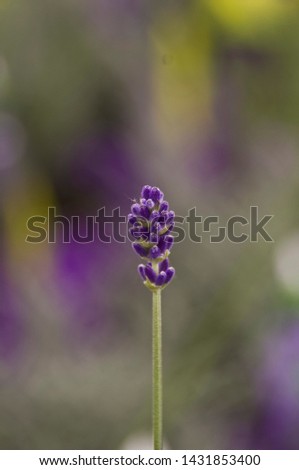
x: 244, y: 16
x: 181, y: 68
x: 31, y: 196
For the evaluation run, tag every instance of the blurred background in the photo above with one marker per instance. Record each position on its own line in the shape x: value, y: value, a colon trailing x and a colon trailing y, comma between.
x: 98, y: 98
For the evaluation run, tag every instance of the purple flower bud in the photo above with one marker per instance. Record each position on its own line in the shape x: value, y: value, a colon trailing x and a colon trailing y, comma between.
x: 145, y: 212
x: 141, y: 270
x: 142, y: 201
x: 170, y: 272
x: 154, y: 228
x: 132, y: 219
x: 156, y: 194
x: 153, y: 237
x: 171, y: 216
x: 162, y: 245
x: 164, y: 206
x: 167, y: 229
x: 155, y: 215
x: 155, y: 252
x: 164, y: 215
x: 140, y: 250
x: 150, y: 273
x: 150, y: 204
x: 135, y: 209
x: 163, y: 266
x: 145, y: 192
x: 169, y: 241
x: 161, y: 279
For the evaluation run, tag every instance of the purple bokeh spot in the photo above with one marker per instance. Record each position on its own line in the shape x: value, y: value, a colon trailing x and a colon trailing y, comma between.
x: 276, y: 423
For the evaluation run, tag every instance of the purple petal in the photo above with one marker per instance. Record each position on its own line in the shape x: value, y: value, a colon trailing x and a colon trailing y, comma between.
x: 132, y: 219
x: 161, y: 279
x: 162, y: 245
x: 150, y: 273
x: 154, y: 227
x: 141, y: 270
x: 145, y: 212
x: 155, y: 215
x: 153, y: 237
x: 135, y: 209
x: 155, y: 194
x: 164, y: 215
x: 169, y: 241
x: 164, y: 206
x: 155, y: 252
x: 163, y: 266
x: 171, y: 216
x: 150, y: 204
x: 170, y: 272
x: 145, y: 192
x: 140, y: 250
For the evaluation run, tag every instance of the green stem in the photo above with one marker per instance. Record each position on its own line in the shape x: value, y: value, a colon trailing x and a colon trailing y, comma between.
x: 157, y: 370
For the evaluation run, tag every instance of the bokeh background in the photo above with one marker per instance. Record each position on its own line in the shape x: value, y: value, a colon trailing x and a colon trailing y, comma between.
x: 198, y: 97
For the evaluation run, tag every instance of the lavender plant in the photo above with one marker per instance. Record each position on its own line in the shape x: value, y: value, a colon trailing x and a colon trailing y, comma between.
x: 151, y: 223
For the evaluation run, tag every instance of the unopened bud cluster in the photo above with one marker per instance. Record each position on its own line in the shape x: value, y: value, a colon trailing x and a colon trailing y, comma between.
x: 151, y: 223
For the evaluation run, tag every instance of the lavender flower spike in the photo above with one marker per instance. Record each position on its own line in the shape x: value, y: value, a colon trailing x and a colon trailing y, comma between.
x: 151, y: 224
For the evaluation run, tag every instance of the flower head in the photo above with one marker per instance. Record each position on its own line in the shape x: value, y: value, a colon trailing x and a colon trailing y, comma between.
x: 151, y: 223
